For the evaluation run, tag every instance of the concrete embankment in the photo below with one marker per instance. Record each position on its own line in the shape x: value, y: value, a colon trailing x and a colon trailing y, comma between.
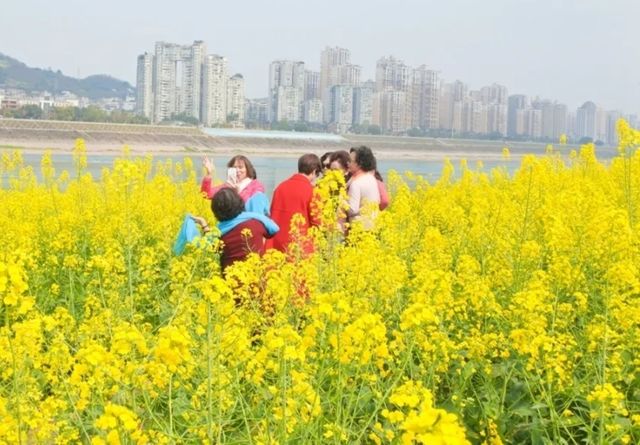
x: 102, y: 138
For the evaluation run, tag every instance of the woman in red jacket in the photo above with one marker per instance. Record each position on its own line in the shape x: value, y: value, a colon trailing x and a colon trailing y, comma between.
x: 295, y: 196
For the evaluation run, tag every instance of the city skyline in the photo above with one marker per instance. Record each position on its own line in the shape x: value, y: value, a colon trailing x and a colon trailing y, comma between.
x: 571, y: 51
x: 181, y: 80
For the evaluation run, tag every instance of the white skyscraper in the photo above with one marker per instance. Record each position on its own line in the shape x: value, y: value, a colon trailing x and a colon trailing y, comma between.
x: 166, y: 89
x: 330, y: 60
x: 178, y: 79
x: 392, y: 74
x: 313, y: 111
x: 495, y: 99
x: 192, y: 79
x: 612, y: 121
x: 235, y: 99
x: 285, y: 76
x: 256, y: 112
x: 517, y: 104
x: 341, y: 108
x: 363, y: 104
x: 560, y: 120
x: 144, y: 86
x: 390, y: 111
x: 425, y: 96
x: 533, y: 123
x: 214, y: 90
x: 183, y: 80
x: 586, y: 121
x: 336, y: 69
x: 311, y: 85
x: 287, y: 103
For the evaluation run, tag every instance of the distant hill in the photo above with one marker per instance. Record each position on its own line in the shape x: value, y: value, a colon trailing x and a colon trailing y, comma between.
x: 15, y: 74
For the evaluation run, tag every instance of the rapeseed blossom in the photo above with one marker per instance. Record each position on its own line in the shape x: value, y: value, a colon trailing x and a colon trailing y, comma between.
x: 484, y: 308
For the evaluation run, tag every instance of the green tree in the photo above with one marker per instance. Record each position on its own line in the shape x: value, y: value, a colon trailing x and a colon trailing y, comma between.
x: 585, y: 140
x: 62, y: 113
x: 283, y: 125
x: 300, y: 126
x: 185, y: 118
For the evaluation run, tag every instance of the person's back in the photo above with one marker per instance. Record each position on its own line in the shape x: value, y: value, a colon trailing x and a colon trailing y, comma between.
x: 241, y: 233
x: 244, y: 239
x: 295, y: 196
x: 363, y: 187
x: 291, y: 197
x: 363, y: 190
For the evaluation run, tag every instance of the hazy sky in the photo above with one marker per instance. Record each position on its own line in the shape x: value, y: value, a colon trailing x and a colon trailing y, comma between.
x: 569, y: 50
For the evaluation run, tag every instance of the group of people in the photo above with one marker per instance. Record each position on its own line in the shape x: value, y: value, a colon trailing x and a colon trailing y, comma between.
x: 248, y: 223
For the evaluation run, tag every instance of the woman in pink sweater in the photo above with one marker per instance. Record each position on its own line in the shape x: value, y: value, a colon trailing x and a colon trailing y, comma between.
x: 242, y: 177
x: 362, y: 187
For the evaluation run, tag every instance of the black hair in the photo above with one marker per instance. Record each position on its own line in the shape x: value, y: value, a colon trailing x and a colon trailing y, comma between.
x: 226, y: 204
x: 365, y: 158
x: 324, y: 157
x: 342, y: 157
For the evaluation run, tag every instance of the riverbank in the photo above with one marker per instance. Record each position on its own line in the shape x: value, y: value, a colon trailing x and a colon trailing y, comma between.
x: 109, y: 139
x: 37, y: 147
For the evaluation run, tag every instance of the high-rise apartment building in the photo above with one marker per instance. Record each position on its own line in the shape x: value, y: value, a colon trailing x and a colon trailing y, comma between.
x: 349, y: 75
x: 497, y: 119
x: 394, y: 97
x: 363, y: 103
x: 311, y: 85
x: 341, y: 113
x: 257, y: 112
x: 178, y: 79
x: 336, y: 69
x: 182, y: 79
x: 612, y: 121
x: 288, y: 104
x: 425, y: 98
x: 235, y: 99
x: 445, y: 113
x: 390, y: 111
x: 494, y: 94
x: 533, y: 123
x: 392, y: 74
x: 495, y: 100
x: 166, y: 102
x: 546, y: 108
x: 517, y: 104
x: 454, y: 98
x: 560, y: 120
x: 192, y: 79
x: 538, y: 119
x: 214, y: 90
x: 286, y: 90
x: 586, y: 121
x: 144, y: 86
x: 474, y: 116
x: 313, y: 112
x: 330, y: 60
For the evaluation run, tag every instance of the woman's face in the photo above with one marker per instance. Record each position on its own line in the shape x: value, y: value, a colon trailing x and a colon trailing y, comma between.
x: 241, y: 168
x: 335, y: 165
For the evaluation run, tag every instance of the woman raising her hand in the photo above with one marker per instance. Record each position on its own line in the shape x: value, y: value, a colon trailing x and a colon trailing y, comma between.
x: 241, y: 176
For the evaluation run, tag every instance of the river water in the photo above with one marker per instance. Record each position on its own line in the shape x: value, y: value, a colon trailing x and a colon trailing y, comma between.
x: 273, y: 170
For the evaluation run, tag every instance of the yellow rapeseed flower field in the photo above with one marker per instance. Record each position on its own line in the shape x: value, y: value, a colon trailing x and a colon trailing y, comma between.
x: 486, y: 308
